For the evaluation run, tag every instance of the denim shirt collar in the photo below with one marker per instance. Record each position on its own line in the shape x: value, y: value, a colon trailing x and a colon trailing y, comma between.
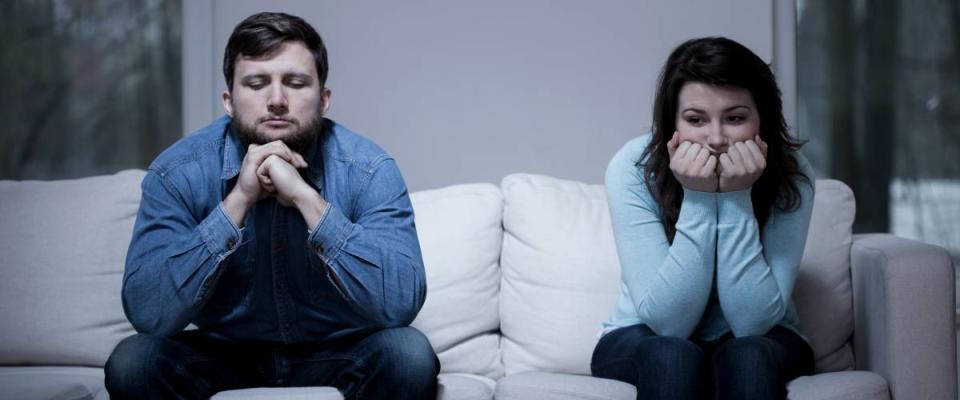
x: 234, y: 151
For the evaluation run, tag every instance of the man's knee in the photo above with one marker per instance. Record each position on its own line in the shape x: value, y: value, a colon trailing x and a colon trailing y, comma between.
x: 405, y: 354
x: 131, y: 366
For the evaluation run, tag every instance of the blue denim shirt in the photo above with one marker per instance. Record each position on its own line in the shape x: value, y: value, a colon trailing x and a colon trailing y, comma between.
x: 276, y: 280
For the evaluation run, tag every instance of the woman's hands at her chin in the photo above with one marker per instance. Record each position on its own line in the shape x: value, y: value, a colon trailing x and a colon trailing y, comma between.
x: 693, y: 165
x: 742, y: 164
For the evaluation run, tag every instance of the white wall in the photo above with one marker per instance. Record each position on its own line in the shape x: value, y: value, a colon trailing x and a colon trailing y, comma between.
x: 471, y: 91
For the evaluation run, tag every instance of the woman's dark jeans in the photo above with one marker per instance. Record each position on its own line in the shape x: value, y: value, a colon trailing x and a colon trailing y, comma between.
x: 396, y: 363
x: 663, y: 367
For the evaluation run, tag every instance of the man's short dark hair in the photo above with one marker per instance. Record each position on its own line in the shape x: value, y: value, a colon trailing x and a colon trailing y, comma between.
x: 262, y: 33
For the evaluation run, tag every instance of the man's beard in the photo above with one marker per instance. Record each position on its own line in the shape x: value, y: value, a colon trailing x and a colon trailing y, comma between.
x: 297, y: 141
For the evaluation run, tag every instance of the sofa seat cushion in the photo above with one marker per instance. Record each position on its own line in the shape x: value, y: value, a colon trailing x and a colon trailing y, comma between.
x: 291, y: 393
x: 449, y: 387
x: 63, y: 245
x: 464, y: 387
x: 460, y: 236
x: 52, y: 383
x: 558, y: 386
x: 844, y: 385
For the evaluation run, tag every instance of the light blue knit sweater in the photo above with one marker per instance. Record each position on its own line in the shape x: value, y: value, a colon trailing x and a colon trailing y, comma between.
x: 720, y: 274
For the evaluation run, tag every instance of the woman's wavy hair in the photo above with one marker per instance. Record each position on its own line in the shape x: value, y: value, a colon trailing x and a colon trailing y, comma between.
x: 722, y: 62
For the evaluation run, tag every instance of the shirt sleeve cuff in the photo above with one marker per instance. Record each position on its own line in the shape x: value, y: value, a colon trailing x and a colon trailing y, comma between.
x: 219, y: 233
x: 734, y: 207
x: 698, y: 205
x: 330, y: 234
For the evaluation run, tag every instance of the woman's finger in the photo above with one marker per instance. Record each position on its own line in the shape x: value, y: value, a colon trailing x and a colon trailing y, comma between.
x: 763, y: 145
x: 689, y: 157
x: 672, y: 144
x: 756, y: 154
x: 681, y: 150
x: 746, y: 159
x: 726, y: 163
x: 711, y: 166
x: 701, y: 158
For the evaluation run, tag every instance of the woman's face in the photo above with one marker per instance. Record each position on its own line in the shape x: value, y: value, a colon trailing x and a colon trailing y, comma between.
x: 716, y: 116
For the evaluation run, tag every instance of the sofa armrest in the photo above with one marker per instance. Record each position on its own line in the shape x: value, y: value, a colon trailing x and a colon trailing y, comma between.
x: 903, y: 306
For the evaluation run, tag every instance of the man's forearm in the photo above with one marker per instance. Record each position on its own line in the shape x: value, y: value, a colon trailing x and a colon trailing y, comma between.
x: 172, y: 261
x: 236, y: 207
x: 312, y: 207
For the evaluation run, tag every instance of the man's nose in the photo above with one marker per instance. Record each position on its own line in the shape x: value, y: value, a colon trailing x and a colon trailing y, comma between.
x: 277, y: 103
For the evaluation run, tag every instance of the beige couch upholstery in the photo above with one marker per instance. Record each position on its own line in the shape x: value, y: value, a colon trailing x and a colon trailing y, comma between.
x: 520, y: 277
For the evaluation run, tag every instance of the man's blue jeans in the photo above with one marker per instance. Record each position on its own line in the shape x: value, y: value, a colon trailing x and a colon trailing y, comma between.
x: 663, y: 367
x: 396, y: 363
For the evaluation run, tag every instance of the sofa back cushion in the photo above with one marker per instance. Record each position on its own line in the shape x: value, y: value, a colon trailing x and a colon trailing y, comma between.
x: 62, y: 250
x: 823, y: 294
x: 460, y: 236
x: 560, y: 273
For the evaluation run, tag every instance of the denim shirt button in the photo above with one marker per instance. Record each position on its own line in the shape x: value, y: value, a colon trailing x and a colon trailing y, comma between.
x: 230, y: 243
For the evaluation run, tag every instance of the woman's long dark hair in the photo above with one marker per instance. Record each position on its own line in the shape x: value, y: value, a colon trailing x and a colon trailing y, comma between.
x: 722, y: 62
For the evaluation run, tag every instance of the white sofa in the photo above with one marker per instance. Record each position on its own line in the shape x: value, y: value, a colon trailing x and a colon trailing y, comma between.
x: 520, y: 277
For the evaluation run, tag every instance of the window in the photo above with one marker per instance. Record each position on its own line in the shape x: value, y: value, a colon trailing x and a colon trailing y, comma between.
x: 878, y: 86
x: 90, y: 87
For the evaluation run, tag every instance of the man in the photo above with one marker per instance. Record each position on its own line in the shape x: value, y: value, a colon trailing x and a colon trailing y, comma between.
x: 286, y: 239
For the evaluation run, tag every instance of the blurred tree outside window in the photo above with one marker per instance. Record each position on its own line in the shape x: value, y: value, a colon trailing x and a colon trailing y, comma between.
x: 90, y: 87
x: 878, y: 84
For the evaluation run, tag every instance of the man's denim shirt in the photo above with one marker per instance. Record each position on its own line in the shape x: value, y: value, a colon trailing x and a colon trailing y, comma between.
x: 276, y: 279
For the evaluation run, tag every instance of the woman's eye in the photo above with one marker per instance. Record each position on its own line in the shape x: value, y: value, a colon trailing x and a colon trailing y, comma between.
x: 736, y: 119
x: 694, y: 120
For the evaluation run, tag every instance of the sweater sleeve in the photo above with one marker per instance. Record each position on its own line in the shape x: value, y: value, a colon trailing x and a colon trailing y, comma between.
x: 669, y: 284
x: 756, y: 274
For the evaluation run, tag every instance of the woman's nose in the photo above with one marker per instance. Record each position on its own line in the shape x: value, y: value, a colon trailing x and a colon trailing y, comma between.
x: 716, y: 139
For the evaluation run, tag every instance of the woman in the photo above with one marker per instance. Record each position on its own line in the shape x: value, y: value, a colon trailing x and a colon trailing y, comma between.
x: 710, y: 213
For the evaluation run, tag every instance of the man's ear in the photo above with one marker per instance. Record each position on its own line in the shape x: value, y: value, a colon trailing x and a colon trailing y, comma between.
x: 227, y: 103
x: 325, y: 98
